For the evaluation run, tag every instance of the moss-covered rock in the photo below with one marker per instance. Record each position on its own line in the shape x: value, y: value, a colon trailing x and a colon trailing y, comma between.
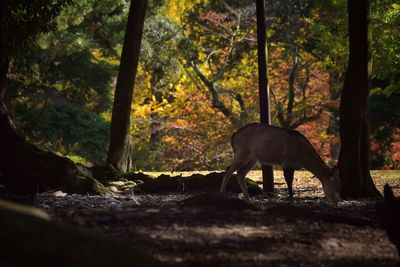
x: 26, y: 169
x: 87, y: 185
x: 162, y: 184
x: 104, y: 173
x: 135, y: 176
x: 196, y: 182
x: 29, y: 240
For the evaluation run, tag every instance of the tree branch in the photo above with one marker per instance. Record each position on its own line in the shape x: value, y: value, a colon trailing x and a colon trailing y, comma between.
x: 304, y: 120
x: 216, y: 103
x: 280, y: 116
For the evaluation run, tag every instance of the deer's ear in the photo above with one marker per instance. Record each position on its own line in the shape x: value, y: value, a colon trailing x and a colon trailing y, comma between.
x: 388, y: 193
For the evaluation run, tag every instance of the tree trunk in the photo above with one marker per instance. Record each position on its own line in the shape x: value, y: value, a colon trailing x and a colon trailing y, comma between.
x: 263, y: 83
x: 24, y: 168
x: 119, y: 150
x: 354, y: 130
x: 3, y: 54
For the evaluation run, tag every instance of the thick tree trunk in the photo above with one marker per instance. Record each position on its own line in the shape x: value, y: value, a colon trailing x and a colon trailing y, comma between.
x: 119, y: 150
x: 354, y: 130
x: 24, y: 168
x: 3, y: 53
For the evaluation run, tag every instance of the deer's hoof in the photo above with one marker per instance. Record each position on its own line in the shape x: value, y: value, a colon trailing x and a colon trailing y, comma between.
x: 244, y: 198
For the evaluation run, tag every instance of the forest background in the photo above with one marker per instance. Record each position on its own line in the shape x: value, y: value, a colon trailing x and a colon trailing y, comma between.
x: 197, y: 79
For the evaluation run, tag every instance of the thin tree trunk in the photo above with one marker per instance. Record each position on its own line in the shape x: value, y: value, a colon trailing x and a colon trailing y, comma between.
x: 354, y: 130
x: 119, y: 150
x: 263, y: 84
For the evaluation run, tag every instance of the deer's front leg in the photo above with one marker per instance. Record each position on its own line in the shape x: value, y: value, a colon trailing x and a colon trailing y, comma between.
x: 288, y: 173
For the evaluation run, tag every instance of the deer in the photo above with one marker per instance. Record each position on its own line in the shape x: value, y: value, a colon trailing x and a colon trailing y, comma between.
x: 271, y: 145
x: 390, y: 217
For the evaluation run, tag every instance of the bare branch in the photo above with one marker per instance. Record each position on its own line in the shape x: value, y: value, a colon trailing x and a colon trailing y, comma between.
x: 202, y: 77
x: 216, y: 103
x: 304, y: 120
x: 213, y: 32
x: 280, y: 116
x: 210, y: 54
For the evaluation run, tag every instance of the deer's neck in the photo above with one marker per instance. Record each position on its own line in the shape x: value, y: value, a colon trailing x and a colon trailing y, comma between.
x: 318, y: 167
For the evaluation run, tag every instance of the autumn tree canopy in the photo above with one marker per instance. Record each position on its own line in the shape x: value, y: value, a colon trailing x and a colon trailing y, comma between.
x: 197, y: 79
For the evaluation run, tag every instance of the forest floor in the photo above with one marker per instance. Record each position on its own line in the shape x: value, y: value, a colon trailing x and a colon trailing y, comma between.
x: 304, y: 232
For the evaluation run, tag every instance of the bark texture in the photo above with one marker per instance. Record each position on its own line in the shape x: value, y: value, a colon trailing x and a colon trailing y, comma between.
x: 354, y: 158
x: 119, y: 150
x: 3, y: 53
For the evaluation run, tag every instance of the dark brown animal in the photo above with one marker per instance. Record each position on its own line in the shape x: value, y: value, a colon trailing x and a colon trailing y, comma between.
x: 391, y: 216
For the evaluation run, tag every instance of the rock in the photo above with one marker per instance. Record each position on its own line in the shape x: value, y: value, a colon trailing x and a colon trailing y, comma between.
x: 59, y: 194
x: 114, y: 189
x: 134, y: 176
x: 104, y: 172
x: 86, y: 185
x: 195, y: 183
x: 8, y: 206
x: 28, y: 239
x: 116, y: 183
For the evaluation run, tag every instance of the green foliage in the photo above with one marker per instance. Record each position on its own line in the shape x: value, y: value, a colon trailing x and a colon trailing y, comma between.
x: 329, y: 37
x: 158, y: 56
x: 66, y: 74
x: 385, y: 21
x: 81, y: 78
x: 385, y: 122
x: 78, y: 57
x: 385, y: 96
x: 66, y: 129
x: 25, y: 19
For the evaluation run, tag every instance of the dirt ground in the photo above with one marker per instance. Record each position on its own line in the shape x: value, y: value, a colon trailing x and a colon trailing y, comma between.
x: 305, y: 232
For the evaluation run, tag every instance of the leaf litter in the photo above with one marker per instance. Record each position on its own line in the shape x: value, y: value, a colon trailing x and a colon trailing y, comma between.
x: 303, y: 232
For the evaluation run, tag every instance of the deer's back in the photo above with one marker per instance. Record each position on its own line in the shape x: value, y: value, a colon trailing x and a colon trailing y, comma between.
x: 272, y: 145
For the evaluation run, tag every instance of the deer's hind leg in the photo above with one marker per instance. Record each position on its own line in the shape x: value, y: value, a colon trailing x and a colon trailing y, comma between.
x: 234, y: 167
x: 241, y: 176
x: 288, y: 173
x: 238, y: 162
